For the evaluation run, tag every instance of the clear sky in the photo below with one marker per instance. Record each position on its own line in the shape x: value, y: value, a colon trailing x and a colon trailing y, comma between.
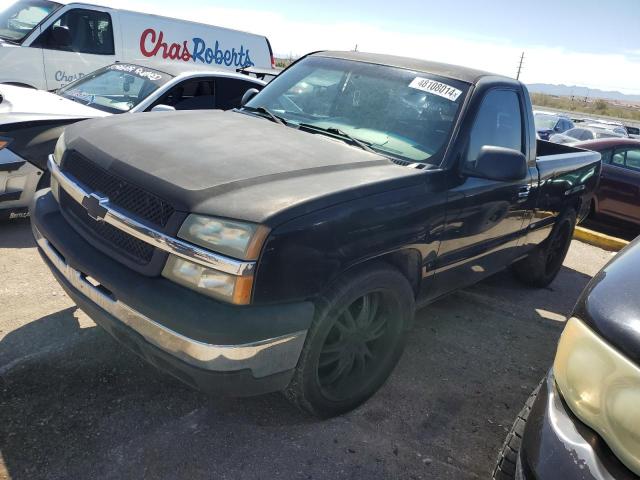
x: 593, y: 43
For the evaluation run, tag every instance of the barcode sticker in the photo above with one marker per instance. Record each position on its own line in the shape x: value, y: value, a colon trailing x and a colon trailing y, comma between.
x: 437, y: 88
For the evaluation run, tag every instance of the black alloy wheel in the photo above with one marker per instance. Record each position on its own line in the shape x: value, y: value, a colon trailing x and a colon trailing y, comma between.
x: 355, y: 346
x: 354, y: 342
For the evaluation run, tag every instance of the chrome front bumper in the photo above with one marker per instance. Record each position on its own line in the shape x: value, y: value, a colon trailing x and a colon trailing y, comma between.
x: 263, y: 358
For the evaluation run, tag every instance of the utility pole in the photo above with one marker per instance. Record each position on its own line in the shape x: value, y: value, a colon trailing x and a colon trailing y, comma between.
x: 520, y: 66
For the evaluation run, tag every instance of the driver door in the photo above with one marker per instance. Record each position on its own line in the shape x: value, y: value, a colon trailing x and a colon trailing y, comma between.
x: 78, y: 42
x: 486, y: 219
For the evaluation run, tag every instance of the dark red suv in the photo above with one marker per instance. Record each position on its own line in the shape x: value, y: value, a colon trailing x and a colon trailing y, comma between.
x: 619, y: 193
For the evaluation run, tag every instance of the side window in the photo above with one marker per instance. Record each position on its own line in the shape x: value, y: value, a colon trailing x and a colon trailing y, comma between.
x: 79, y: 30
x: 498, y: 123
x: 192, y: 94
x: 629, y: 159
x: 230, y: 91
x: 618, y: 158
x: 633, y: 159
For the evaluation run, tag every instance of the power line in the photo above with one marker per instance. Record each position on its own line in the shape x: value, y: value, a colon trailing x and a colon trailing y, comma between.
x: 520, y: 66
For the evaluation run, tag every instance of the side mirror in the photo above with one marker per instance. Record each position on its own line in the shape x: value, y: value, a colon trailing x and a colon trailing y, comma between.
x: 498, y: 163
x: 61, y: 37
x: 248, y: 95
x: 163, y: 108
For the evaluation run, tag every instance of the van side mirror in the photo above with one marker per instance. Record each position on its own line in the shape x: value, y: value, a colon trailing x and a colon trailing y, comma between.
x: 61, y: 37
x: 163, y: 108
x: 248, y: 95
x: 498, y: 163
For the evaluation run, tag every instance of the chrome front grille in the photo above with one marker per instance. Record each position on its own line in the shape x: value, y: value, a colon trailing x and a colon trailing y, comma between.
x: 132, y: 248
x: 129, y: 197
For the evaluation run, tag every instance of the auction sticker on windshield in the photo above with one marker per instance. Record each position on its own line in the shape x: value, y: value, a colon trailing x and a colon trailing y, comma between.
x: 437, y: 88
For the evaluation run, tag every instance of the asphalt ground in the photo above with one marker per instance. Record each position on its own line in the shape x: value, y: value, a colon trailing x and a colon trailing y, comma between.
x: 75, y: 405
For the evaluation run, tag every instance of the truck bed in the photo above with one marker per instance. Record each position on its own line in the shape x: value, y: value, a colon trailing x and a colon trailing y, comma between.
x: 566, y: 173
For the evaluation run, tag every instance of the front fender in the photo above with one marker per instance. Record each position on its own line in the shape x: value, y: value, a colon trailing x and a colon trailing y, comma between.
x: 304, y: 256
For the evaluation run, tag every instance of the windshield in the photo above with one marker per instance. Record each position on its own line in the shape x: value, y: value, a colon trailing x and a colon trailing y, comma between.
x: 544, y: 121
x: 19, y: 20
x: 117, y: 88
x: 397, y: 112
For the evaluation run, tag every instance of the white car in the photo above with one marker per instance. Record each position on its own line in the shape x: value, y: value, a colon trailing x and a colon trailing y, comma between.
x: 32, y: 120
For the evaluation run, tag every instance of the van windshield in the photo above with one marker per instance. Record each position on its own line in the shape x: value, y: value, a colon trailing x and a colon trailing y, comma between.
x: 19, y: 20
x: 117, y: 88
x: 400, y: 113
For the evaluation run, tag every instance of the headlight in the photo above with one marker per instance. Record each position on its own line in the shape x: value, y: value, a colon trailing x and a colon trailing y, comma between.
x: 236, y: 239
x: 602, y: 387
x: 213, y: 283
x: 58, y: 152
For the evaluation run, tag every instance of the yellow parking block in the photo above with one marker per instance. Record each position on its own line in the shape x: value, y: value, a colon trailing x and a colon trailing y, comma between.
x: 606, y: 242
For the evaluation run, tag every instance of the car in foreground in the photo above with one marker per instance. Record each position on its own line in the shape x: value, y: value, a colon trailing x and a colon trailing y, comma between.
x: 583, y: 420
x: 285, y: 246
x: 582, y: 133
x: 618, y: 195
x: 31, y: 121
x: 548, y: 124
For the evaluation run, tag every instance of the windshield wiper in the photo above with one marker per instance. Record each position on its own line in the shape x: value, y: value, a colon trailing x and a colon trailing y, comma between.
x: 9, y: 40
x: 267, y: 114
x: 340, y: 133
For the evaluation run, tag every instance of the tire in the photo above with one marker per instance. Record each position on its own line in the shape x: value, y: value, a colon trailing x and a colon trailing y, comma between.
x: 506, y: 466
x: 339, y: 368
x: 543, y: 264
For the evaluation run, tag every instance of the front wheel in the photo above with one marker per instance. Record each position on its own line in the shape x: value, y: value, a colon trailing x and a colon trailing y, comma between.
x: 354, y: 343
x: 543, y: 264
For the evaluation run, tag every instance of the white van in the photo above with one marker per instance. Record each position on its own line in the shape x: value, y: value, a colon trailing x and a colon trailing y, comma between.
x: 46, y: 44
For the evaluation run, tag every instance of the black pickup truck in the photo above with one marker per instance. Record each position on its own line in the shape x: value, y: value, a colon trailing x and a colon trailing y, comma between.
x: 286, y: 245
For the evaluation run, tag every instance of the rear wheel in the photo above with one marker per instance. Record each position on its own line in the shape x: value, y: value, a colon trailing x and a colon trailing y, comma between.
x: 543, y: 264
x: 354, y: 343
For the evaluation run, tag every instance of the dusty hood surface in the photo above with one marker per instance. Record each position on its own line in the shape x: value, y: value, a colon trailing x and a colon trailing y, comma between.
x: 232, y: 164
x: 27, y: 101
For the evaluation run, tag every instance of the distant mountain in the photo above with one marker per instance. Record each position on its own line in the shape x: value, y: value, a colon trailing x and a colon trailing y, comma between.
x: 567, y: 91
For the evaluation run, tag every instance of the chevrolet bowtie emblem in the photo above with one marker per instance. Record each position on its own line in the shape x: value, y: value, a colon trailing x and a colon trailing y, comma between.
x: 94, y: 205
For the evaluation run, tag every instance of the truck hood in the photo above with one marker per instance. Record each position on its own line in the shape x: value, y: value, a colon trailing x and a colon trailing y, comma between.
x: 234, y: 165
x: 27, y: 101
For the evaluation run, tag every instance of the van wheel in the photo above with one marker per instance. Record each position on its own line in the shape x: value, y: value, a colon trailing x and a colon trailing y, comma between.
x: 506, y: 466
x: 542, y: 265
x: 354, y: 342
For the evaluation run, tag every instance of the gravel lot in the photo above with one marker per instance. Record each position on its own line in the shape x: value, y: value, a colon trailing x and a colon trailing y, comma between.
x: 75, y: 404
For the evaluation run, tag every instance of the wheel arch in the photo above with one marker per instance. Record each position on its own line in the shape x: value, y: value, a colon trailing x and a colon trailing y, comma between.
x: 407, y: 261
